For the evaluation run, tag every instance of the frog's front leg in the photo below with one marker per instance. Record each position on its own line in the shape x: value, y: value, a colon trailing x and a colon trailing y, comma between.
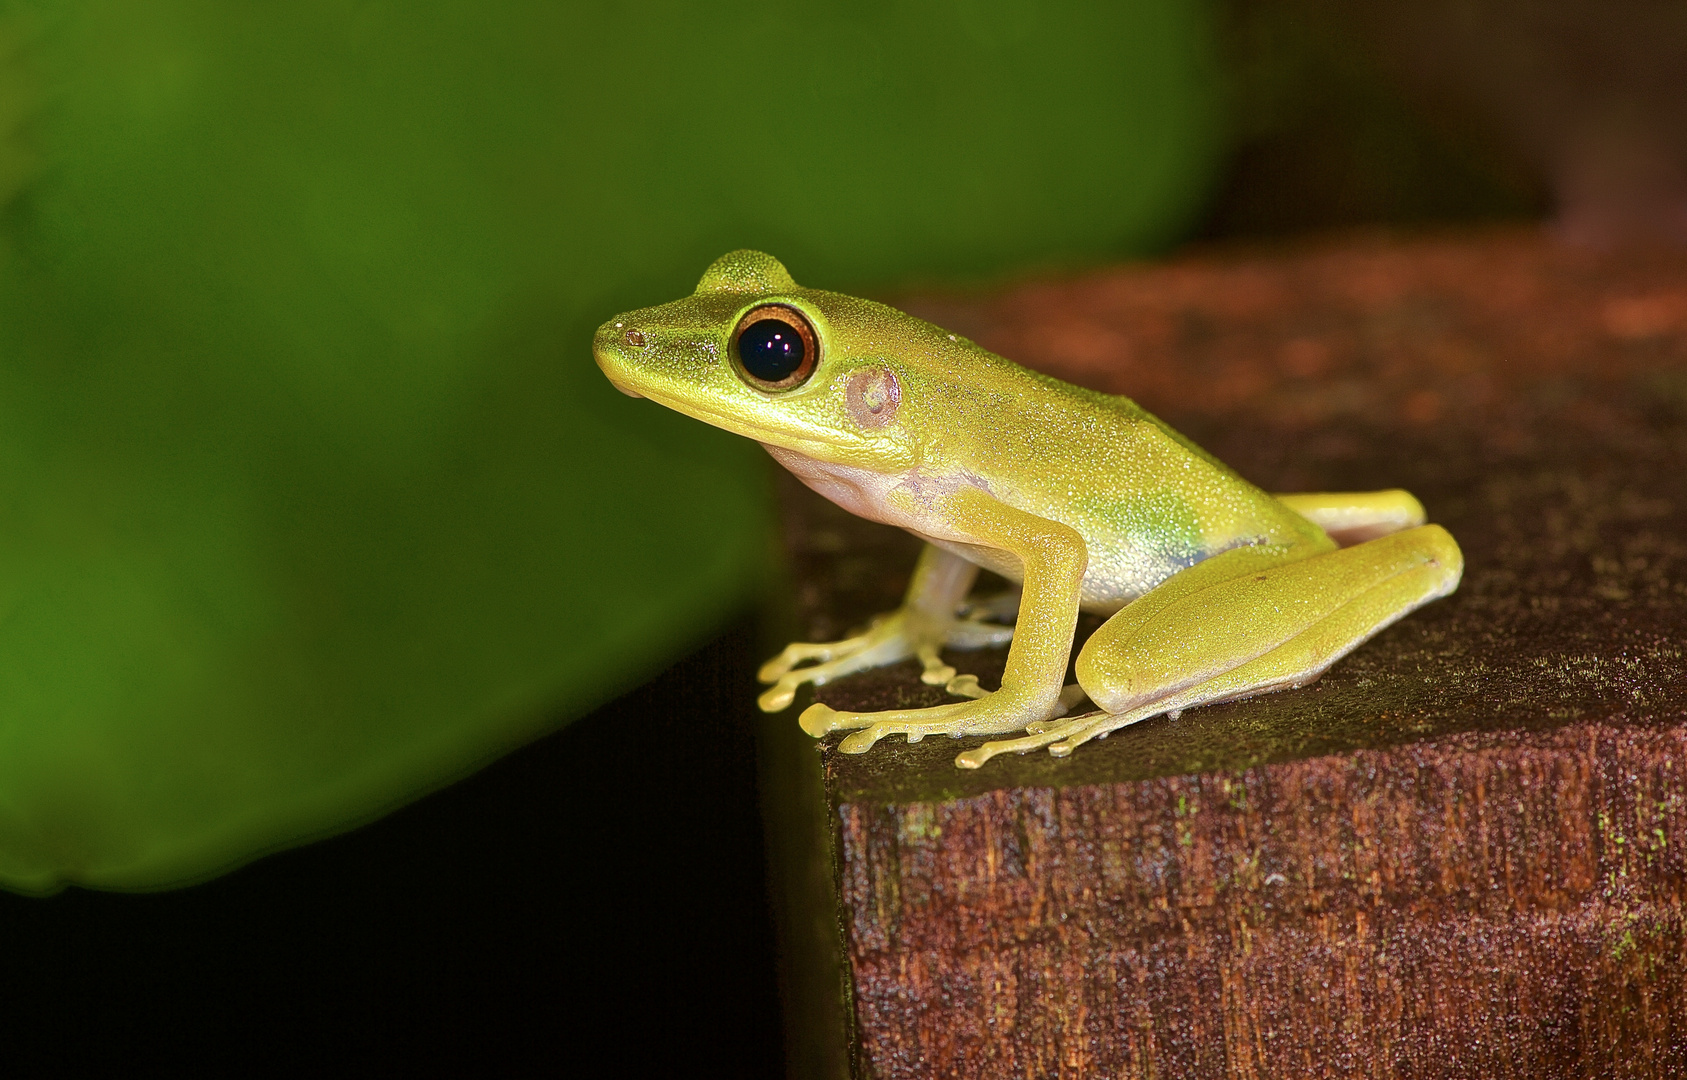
x: 1053, y: 558
x: 919, y: 628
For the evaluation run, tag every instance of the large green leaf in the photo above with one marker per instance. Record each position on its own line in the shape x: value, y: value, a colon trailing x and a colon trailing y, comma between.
x: 310, y: 495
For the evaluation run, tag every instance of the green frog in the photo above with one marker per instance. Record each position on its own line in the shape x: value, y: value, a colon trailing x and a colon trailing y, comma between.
x: 1214, y: 590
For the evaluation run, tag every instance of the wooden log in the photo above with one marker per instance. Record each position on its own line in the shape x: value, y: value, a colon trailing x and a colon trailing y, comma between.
x: 1461, y: 853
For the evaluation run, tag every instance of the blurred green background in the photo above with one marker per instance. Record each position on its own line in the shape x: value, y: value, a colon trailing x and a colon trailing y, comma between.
x: 311, y: 498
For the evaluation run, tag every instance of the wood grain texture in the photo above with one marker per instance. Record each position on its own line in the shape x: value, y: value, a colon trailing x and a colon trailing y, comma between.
x: 1462, y: 852
x: 1509, y: 909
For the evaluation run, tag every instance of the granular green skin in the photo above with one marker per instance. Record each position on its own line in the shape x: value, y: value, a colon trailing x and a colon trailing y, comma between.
x: 1460, y: 852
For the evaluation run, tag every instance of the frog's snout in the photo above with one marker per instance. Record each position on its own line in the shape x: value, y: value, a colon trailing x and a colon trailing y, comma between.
x: 611, y: 346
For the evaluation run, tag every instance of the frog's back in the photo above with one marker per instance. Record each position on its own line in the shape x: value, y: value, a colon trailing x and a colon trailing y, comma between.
x: 1147, y: 501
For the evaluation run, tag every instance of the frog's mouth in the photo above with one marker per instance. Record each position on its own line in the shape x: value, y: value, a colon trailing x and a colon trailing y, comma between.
x: 831, y: 448
x: 614, y: 367
x: 822, y: 449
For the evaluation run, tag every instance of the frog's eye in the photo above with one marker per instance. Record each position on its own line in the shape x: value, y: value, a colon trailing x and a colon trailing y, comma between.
x: 775, y: 347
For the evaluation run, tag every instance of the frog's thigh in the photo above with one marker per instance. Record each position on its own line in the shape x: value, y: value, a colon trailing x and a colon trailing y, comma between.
x: 1266, y: 628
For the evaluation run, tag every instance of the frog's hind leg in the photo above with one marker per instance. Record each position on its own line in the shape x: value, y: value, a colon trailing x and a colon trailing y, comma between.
x: 1232, y: 627
x: 1353, y: 517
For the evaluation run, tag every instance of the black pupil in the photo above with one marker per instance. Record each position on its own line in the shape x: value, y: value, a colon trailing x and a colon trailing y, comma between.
x: 770, y: 349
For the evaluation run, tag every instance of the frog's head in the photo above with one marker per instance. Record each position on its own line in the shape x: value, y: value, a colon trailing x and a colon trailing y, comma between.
x: 750, y: 351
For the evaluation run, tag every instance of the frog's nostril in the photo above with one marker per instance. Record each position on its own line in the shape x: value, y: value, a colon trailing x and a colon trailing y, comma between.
x: 635, y: 339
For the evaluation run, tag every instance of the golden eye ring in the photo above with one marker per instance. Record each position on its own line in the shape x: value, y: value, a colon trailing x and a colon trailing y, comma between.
x: 775, y: 348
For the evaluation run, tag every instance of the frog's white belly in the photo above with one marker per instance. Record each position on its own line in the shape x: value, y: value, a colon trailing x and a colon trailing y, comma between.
x: 1113, y: 578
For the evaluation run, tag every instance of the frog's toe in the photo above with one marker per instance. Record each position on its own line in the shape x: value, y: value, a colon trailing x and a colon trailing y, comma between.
x: 1069, y: 699
x: 779, y: 697
x: 965, y: 686
x: 985, y: 716
x: 1048, y: 731
x: 885, y: 642
x: 821, y: 720
x: 801, y: 652
x: 1099, y: 725
x: 1065, y: 746
x: 860, y: 742
x: 782, y: 693
x: 936, y: 672
x: 863, y: 740
x: 776, y: 668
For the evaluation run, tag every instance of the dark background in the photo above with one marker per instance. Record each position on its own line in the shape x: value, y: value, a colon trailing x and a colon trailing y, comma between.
x: 596, y: 897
